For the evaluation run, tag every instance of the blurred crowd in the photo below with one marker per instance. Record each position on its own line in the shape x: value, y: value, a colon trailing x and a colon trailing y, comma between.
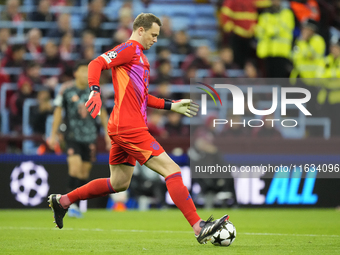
x: 257, y: 38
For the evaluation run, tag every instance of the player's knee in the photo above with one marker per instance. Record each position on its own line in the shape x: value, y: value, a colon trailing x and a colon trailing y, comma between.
x: 122, y: 186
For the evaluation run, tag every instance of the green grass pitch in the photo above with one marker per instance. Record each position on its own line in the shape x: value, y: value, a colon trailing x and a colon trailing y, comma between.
x: 259, y: 231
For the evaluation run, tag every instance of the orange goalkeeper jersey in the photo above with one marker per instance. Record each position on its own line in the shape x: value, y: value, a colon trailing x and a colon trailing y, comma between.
x: 130, y: 77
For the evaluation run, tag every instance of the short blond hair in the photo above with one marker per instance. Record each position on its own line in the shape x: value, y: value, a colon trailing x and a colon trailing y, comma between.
x: 146, y: 20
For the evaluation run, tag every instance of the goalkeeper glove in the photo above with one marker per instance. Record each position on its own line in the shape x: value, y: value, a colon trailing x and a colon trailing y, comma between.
x: 94, y: 104
x: 184, y: 106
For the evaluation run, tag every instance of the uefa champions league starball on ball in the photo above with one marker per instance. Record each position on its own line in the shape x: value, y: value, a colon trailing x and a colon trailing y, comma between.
x: 225, y: 236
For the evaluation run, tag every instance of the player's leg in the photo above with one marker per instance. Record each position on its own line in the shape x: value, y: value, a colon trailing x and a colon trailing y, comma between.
x: 74, y: 163
x: 146, y: 150
x: 121, y: 167
x: 166, y: 167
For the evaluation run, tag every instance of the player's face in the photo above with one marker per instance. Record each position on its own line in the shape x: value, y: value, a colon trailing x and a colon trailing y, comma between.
x: 81, y: 76
x: 149, y: 37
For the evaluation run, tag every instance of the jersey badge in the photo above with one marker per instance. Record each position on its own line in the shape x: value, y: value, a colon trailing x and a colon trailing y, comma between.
x: 112, y: 54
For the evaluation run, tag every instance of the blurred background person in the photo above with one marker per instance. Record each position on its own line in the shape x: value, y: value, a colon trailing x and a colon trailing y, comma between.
x: 166, y: 32
x: 274, y: 32
x: 33, y: 45
x: 12, y: 12
x: 180, y: 44
x: 14, y: 57
x: 63, y: 26
x: 226, y: 54
x: 16, y: 102
x: 238, y: 21
x: 175, y: 127
x: 329, y: 96
x: 43, y: 13
x: 308, y: 54
x: 5, y: 34
x: 40, y: 112
x: 81, y: 129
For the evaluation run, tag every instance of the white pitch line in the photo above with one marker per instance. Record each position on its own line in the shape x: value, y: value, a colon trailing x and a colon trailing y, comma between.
x: 158, y: 231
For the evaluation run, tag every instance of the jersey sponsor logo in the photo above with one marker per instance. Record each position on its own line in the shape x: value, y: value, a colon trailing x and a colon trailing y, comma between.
x: 107, y: 59
x: 112, y: 54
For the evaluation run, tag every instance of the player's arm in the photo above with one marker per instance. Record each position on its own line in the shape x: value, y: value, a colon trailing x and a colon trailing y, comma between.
x: 103, y: 120
x: 184, y: 106
x: 57, y: 118
x: 118, y: 56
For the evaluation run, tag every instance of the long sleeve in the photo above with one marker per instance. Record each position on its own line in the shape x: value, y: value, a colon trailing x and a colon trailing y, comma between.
x: 155, y: 102
x: 94, y: 71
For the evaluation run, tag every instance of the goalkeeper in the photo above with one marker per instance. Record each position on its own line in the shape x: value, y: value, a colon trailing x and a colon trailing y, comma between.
x: 127, y: 128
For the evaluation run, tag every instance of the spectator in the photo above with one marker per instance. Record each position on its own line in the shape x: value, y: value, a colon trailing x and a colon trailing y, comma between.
x: 125, y: 19
x: 274, y: 32
x: 40, y: 112
x: 308, y: 51
x: 163, y: 54
x: 14, y: 58
x: 33, y: 74
x: 5, y: 34
x: 33, y: 45
x: 200, y: 60
x: 94, y: 25
x: 155, y: 124
x: 166, y: 31
x: 25, y: 90
x: 175, y: 127
x: 12, y: 12
x: 329, y: 95
x: 89, y: 53
x: 52, y: 56
x: 63, y: 26
x: 164, y: 72
x: 181, y: 44
x: 96, y: 8
x: 240, y: 26
x: 250, y: 69
x: 163, y: 90
x: 308, y: 57
x: 66, y: 47
x: 87, y: 40
x: 43, y: 14
x: 218, y: 69
x: 226, y: 54
x: 188, y: 74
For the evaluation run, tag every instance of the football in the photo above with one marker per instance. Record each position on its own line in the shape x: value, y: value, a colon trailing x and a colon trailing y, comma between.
x: 225, y: 236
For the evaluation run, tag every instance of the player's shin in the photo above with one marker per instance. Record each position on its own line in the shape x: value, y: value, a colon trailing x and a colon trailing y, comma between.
x: 96, y: 188
x: 181, y: 197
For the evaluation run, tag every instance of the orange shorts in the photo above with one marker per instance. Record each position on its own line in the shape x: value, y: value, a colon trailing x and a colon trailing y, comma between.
x: 127, y: 148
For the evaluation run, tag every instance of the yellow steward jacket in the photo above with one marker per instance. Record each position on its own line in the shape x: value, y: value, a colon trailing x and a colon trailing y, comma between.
x: 308, y: 57
x: 274, y: 32
x: 329, y: 73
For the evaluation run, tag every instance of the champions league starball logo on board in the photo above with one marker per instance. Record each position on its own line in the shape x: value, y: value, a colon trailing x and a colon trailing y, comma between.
x: 238, y: 102
x: 29, y: 183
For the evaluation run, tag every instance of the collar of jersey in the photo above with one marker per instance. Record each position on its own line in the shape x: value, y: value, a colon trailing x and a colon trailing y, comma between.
x: 141, y: 46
